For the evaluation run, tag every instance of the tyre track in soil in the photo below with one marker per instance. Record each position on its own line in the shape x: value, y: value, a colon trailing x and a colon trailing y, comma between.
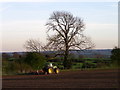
x: 65, y: 79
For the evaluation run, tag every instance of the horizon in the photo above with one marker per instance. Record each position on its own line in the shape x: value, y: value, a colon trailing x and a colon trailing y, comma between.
x: 47, y: 51
x: 25, y: 20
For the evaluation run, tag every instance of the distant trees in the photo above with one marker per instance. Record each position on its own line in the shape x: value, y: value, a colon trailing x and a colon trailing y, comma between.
x: 68, y: 34
x: 5, y: 56
x: 115, y: 55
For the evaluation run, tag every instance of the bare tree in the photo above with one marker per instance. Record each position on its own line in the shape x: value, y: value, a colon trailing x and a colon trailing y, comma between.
x: 33, y: 45
x: 68, y: 33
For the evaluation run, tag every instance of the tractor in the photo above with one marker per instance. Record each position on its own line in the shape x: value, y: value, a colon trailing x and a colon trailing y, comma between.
x: 50, y: 68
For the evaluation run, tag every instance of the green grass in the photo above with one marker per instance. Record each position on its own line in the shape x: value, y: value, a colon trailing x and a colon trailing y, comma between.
x: 90, y: 69
x: 77, y: 65
x: 105, y: 67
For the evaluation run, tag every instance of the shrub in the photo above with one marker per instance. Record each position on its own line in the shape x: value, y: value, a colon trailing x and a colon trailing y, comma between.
x: 115, y: 57
x: 35, y: 60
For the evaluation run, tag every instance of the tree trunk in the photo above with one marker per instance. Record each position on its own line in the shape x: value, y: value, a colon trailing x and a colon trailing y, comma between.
x: 65, y: 60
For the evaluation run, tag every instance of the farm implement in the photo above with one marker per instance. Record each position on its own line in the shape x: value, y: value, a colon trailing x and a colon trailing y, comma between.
x: 48, y: 69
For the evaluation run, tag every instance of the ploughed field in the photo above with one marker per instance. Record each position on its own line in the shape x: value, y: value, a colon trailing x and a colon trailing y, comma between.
x: 65, y: 79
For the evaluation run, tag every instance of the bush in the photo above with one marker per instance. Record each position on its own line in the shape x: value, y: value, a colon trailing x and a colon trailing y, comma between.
x: 115, y: 57
x: 35, y: 60
x: 13, y: 67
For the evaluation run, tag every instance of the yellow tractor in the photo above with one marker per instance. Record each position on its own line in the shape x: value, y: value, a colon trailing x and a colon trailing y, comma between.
x: 50, y: 68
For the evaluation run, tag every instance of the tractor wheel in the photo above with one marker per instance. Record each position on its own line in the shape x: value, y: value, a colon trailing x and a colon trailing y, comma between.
x: 50, y: 71
x: 57, y: 70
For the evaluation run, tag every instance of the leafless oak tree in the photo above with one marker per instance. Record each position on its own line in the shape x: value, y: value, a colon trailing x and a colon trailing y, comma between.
x: 68, y: 33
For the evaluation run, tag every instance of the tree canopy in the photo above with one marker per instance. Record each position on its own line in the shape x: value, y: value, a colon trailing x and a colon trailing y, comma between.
x: 68, y: 34
x: 33, y: 45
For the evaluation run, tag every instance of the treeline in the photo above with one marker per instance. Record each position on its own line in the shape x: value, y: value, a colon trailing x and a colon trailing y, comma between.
x: 26, y: 62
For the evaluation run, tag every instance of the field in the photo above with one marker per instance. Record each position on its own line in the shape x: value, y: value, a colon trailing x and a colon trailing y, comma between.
x: 66, y: 79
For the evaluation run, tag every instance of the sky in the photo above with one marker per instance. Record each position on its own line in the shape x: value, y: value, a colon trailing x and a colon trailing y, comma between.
x: 21, y: 21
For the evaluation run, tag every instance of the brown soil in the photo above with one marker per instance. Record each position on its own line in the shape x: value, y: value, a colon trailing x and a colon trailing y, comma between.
x: 65, y: 79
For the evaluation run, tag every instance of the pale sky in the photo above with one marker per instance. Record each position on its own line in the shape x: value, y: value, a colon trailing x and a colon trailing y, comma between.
x: 24, y: 20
